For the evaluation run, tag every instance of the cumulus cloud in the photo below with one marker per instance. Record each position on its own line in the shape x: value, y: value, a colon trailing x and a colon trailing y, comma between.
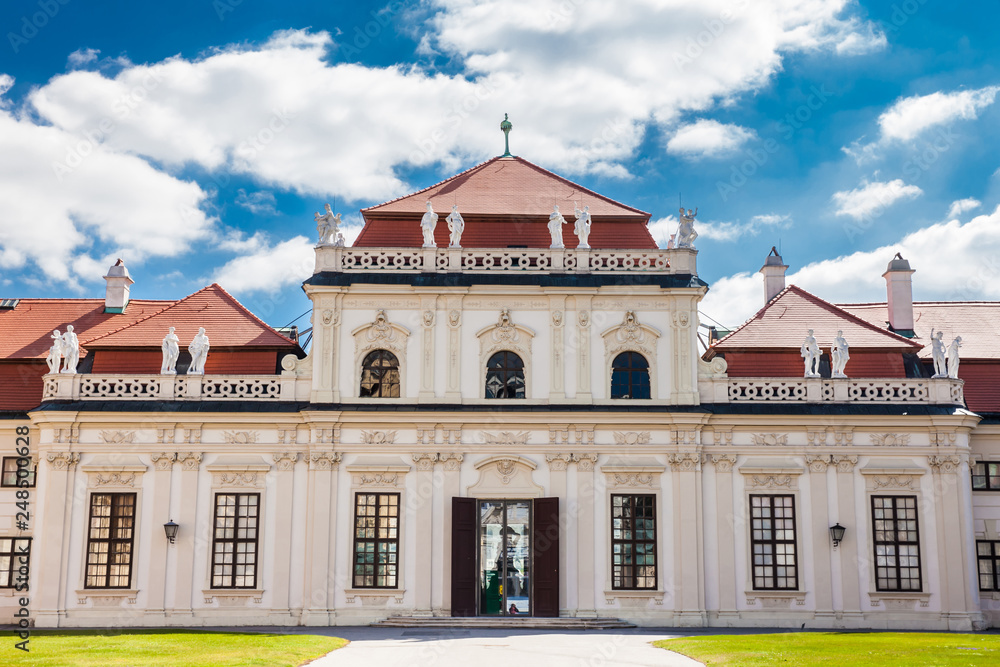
x: 82, y: 57
x: 269, y: 268
x: 707, y: 138
x: 960, y: 206
x: 866, y: 200
x: 258, y: 203
x: 970, y: 251
x: 733, y: 231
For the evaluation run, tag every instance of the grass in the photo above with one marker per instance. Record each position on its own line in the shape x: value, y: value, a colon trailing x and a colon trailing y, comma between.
x: 871, y: 649
x: 177, y: 648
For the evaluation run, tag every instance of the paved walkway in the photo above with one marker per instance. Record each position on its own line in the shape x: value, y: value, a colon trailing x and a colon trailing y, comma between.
x: 404, y: 647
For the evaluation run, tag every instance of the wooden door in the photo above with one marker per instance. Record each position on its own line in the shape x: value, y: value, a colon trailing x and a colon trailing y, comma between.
x: 464, y: 522
x: 545, y: 559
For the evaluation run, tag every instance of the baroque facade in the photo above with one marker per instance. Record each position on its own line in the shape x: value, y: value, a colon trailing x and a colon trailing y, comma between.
x: 498, y: 427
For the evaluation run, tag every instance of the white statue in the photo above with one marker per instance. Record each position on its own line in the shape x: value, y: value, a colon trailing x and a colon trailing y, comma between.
x: 685, y: 230
x: 341, y: 241
x: 326, y: 226
x: 953, y: 357
x: 839, y: 356
x: 810, y: 352
x: 55, y: 352
x: 427, y: 225
x: 70, y: 350
x: 582, y: 226
x: 556, y: 222
x: 938, y: 354
x: 171, y: 347
x: 456, y: 225
x: 199, y: 353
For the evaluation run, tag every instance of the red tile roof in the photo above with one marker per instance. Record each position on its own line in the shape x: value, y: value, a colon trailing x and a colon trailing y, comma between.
x: 227, y: 322
x: 977, y: 322
x: 783, y: 322
x: 505, y: 201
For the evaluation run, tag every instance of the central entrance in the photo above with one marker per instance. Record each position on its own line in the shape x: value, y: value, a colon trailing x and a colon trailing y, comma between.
x: 505, y: 549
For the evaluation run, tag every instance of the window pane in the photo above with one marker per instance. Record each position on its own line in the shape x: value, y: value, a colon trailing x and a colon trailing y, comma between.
x: 896, y: 543
x: 109, y: 541
x: 234, y: 542
x: 633, y: 541
x: 376, y: 534
x: 772, y: 542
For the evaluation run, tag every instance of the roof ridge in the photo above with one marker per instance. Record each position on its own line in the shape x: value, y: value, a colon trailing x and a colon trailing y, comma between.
x: 250, y: 313
x: 84, y: 343
x: 429, y: 187
x: 573, y: 183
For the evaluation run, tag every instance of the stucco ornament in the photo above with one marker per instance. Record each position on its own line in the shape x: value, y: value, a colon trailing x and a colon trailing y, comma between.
x: 55, y: 352
x: 199, y: 352
x: 630, y: 331
x: 70, y: 351
x: 582, y: 226
x: 810, y: 353
x: 327, y: 226
x: 685, y: 229
x: 556, y: 222
x: 456, y: 225
x: 380, y: 330
x: 938, y: 354
x: 953, y: 357
x: 427, y: 225
x: 505, y: 330
x: 839, y: 356
x: 171, y: 347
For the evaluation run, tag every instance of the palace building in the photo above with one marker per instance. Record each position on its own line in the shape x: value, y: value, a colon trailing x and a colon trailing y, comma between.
x: 502, y: 427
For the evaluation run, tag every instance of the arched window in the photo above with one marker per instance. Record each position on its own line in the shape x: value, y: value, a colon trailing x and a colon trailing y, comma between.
x: 630, y: 376
x: 505, y: 376
x: 380, y: 375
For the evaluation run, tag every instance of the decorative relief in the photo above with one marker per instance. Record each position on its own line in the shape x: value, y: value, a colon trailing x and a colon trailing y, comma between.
x: 684, y: 462
x: 945, y: 464
x: 327, y: 317
x: 633, y: 479
x: 286, y: 436
x: 585, y: 462
x: 843, y: 438
x: 506, y: 438
x: 816, y: 438
x: 241, y: 437
x: 681, y: 320
x: 62, y: 460
x: 632, y: 437
x: 942, y: 439
x: 69, y: 436
x: 325, y: 460
x: 425, y: 461
x: 769, y: 439
x: 451, y: 460
x: 631, y: 336
x: 818, y: 463
x: 506, y: 468
x: 584, y: 436
x: 558, y: 462
x: 327, y: 436
x: 165, y: 436
x: 163, y: 460
x: 900, y: 482
x: 682, y: 438
x: 844, y: 463
x: 890, y: 439
x: 771, y: 481
x: 377, y: 479
x: 557, y: 318
x: 189, y: 460
x: 115, y: 479
x: 505, y: 335
x: 192, y: 436
x: 241, y: 479
x: 118, y: 437
x: 428, y: 319
x: 454, y: 319
x: 378, y: 437
x: 285, y: 461
x: 723, y: 438
x: 584, y: 318
x: 722, y: 462
x: 380, y: 335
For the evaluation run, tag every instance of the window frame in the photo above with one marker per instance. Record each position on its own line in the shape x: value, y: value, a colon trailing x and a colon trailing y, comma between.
x: 376, y: 541
x: 11, y: 571
x: 774, y: 543
x: 994, y: 559
x: 630, y: 370
x: 618, y: 582
x: 986, y: 476
x: 383, y: 353
x: 32, y: 475
x: 509, y: 371
x: 235, y: 541
x: 896, y: 543
x: 116, y: 498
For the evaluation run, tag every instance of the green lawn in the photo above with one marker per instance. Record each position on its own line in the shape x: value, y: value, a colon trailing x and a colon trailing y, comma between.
x: 177, y: 648
x: 870, y: 649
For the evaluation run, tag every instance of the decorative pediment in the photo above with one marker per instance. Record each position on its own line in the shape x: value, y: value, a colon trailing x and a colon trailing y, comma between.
x: 631, y: 336
x: 505, y: 335
x: 634, y: 473
x: 114, y: 471
x: 238, y: 472
x: 891, y: 475
x: 505, y: 477
x: 765, y: 474
x: 379, y: 472
x: 381, y: 334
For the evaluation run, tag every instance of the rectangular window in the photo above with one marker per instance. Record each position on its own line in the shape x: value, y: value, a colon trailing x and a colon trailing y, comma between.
x: 772, y: 541
x: 633, y: 542
x: 376, y: 540
x: 897, y: 544
x: 14, y: 554
x: 110, y: 540
x: 985, y: 476
x: 9, y: 476
x: 988, y: 552
x: 234, y: 540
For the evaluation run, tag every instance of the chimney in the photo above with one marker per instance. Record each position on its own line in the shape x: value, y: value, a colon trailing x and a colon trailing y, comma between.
x: 116, y: 297
x: 899, y: 295
x: 774, y: 275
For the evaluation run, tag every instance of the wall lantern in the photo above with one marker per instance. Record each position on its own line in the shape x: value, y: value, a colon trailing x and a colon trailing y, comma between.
x: 836, y: 532
x: 170, y: 528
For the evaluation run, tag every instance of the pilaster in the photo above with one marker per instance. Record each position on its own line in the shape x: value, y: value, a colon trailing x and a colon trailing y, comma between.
x: 423, y: 505
x: 852, y: 553
x: 727, y: 542
x: 451, y: 463
x: 689, y: 580
x: 821, y: 545
x: 585, y: 545
x: 51, y: 571
x: 557, y: 482
x: 284, y: 471
x: 319, y: 574
x: 163, y: 464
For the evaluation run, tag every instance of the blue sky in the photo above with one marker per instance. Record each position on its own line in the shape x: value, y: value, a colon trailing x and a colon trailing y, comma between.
x: 195, y: 139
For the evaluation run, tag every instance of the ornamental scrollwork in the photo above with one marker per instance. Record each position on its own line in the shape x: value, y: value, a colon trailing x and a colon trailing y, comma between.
x: 889, y: 439
x: 378, y: 437
x: 632, y: 437
x: 769, y: 439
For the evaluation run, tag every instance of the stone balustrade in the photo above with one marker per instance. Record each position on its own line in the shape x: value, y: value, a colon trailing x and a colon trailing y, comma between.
x: 133, y: 387
x: 526, y: 260
x: 939, y: 391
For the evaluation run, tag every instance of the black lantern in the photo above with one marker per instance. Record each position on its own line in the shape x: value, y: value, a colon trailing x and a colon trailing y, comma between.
x: 170, y: 528
x: 837, y: 533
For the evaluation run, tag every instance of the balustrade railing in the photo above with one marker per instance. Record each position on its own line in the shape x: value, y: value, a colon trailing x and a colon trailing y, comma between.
x: 940, y: 391
x: 130, y: 387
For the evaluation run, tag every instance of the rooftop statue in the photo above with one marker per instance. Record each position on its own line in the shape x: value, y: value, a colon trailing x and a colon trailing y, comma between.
x: 810, y: 353
x: 171, y: 350
x: 456, y: 225
x: 938, y: 354
x: 327, y: 226
x: 953, y: 357
x: 70, y: 350
x: 556, y: 222
x: 685, y: 230
x: 427, y: 225
x: 54, y: 360
x: 582, y: 226
x: 199, y: 352
x: 341, y: 241
x: 839, y: 356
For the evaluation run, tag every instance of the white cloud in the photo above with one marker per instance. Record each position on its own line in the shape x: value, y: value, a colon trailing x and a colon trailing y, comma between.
x: 733, y: 231
x: 269, y: 268
x: 708, y: 138
x: 6, y: 82
x: 872, y: 198
x: 258, y: 203
x: 82, y: 57
x: 960, y: 206
x: 969, y: 251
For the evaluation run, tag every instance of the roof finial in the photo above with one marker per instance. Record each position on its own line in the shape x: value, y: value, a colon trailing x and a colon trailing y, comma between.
x: 505, y: 127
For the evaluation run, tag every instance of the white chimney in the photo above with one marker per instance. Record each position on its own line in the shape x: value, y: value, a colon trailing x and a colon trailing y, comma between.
x: 899, y: 295
x: 119, y: 281
x: 774, y: 275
